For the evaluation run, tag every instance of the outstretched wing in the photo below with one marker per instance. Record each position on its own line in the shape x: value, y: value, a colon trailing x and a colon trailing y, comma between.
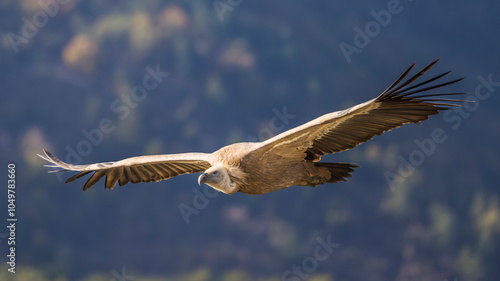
x: 399, y: 104
x: 136, y: 169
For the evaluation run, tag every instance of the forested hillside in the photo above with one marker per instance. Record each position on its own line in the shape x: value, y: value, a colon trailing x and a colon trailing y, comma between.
x: 96, y: 81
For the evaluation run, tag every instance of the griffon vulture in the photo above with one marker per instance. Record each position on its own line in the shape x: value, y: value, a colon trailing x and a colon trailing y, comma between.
x: 289, y: 158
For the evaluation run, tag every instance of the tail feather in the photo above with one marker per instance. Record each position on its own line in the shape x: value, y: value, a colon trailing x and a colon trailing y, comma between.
x: 338, y: 171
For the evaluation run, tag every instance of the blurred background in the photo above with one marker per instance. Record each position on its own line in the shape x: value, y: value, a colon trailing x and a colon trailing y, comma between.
x: 95, y: 81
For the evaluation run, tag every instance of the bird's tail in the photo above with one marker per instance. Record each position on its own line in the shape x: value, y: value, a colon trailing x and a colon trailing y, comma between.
x: 338, y: 171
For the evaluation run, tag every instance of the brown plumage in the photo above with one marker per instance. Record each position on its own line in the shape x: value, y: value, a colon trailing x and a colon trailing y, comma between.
x: 289, y: 158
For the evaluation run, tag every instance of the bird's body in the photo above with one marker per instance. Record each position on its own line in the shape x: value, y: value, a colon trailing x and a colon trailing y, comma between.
x: 259, y: 174
x: 288, y: 159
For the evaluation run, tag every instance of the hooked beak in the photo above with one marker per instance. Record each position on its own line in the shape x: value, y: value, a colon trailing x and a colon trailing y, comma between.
x: 202, y: 178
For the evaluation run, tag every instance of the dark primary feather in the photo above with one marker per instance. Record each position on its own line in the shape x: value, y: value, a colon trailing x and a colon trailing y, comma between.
x: 398, y: 105
x: 401, y: 103
x: 152, y: 172
x: 134, y: 170
x: 265, y: 163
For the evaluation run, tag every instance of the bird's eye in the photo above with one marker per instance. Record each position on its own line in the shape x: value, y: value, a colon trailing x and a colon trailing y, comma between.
x: 216, y: 173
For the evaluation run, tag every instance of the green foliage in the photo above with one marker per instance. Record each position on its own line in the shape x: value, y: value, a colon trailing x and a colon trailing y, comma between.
x: 226, y: 76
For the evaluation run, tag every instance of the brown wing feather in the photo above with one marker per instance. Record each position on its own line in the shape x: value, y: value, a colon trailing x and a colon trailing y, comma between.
x: 135, y: 169
x: 334, y: 132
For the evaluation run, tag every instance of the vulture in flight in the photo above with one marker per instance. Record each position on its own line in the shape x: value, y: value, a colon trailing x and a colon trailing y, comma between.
x: 290, y: 158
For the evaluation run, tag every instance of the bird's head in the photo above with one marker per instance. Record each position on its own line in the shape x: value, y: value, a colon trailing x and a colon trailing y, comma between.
x: 218, y: 178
